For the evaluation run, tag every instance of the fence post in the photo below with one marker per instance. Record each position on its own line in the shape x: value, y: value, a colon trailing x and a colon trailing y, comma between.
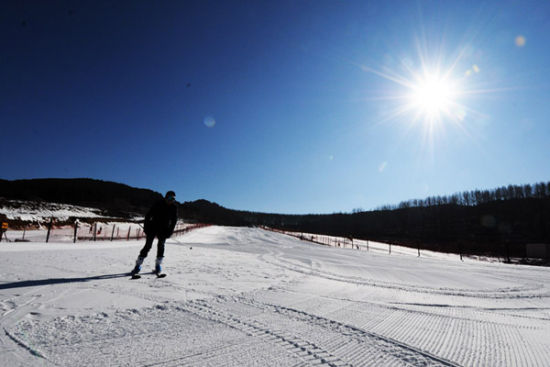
x: 113, y: 232
x: 390, y: 248
x: 367, y: 245
x: 75, y: 230
x: 95, y: 231
x: 49, y: 229
x: 128, y: 237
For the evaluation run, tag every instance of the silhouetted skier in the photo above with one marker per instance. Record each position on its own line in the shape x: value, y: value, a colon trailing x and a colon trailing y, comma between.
x: 160, y: 221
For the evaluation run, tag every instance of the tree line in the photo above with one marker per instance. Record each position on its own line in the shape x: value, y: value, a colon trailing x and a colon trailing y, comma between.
x: 477, y: 197
x: 498, y: 222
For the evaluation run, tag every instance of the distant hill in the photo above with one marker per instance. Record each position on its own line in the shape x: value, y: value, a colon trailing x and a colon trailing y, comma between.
x: 114, y: 198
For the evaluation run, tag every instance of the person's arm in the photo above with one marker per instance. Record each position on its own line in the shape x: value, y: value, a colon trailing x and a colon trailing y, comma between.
x: 151, y: 213
x: 173, y: 220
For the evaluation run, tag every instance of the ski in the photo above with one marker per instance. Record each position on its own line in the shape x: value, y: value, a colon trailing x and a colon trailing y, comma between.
x: 137, y: 276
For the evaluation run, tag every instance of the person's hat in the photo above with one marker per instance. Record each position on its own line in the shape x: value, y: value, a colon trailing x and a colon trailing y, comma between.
x: 170, y: 195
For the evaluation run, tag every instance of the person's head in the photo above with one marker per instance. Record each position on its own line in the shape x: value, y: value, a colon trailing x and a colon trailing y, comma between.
x: 170, y: 196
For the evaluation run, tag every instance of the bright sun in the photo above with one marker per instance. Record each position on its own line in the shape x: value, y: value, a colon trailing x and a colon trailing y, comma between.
x: 433, y: 96
x: 431, y: 91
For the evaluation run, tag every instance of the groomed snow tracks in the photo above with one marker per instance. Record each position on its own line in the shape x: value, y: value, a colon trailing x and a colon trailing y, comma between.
x: 226, y: 331
x: 336, y: 344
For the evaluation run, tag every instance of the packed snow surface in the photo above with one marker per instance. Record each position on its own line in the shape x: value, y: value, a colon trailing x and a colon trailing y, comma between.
x: 249, y: 297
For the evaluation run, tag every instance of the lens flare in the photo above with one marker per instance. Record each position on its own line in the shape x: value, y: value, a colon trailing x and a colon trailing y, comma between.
x: 209, y: 121
x: 520, y: 41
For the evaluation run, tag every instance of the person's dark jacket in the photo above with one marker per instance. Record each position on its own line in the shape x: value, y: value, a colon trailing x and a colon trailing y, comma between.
x: 161, y: 219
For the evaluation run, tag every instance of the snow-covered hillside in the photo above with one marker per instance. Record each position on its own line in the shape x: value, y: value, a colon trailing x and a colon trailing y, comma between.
x: 248, y: 297
x: 41, y: 211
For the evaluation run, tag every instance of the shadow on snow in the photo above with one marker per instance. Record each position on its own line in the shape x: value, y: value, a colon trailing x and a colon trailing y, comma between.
x: 39, y: 282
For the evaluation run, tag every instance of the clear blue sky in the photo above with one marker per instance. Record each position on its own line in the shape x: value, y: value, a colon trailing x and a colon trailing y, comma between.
x: 277, y: 106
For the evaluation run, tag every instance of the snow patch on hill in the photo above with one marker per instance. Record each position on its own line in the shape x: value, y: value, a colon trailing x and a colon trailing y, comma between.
x: 39, y: 211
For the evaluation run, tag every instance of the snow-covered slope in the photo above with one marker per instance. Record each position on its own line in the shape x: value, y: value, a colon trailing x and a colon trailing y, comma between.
x: 248, y: 297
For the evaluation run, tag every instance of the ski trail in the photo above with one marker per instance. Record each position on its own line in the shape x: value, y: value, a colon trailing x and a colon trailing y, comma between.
x: 164, y: 335
x: 464, y: 335
x: 389, y: 346
x: 310, y: 352
x: 526, y: 292
x: 14, y: 309
x: 235, y: 326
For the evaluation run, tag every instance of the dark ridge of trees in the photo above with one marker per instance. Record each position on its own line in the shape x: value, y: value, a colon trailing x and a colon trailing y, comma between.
x: 496, y: 229
x: 477, y: 197
x: 495, y: 222
x: 114, y: 199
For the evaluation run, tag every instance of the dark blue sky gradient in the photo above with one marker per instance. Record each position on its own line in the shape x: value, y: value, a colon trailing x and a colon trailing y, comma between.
x: 120, y: 91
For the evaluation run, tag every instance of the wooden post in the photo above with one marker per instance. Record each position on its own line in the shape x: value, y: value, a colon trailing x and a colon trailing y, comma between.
x: 95, y: 231
x: 128, y: 237
x: 113, y: 232
x: 49, y: 229
x: 75, y: 230
x: 367, y: 245
x: 3, y: 231
x: 390, y: 248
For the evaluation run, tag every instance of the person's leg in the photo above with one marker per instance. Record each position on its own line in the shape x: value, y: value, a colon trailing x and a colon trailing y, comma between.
x: 143, y: 254
x: 160, y: 254
x: 148, y: 243
x: 160, y: 246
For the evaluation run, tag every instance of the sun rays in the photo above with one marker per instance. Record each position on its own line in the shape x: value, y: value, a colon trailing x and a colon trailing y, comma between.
x: 430, y: 92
